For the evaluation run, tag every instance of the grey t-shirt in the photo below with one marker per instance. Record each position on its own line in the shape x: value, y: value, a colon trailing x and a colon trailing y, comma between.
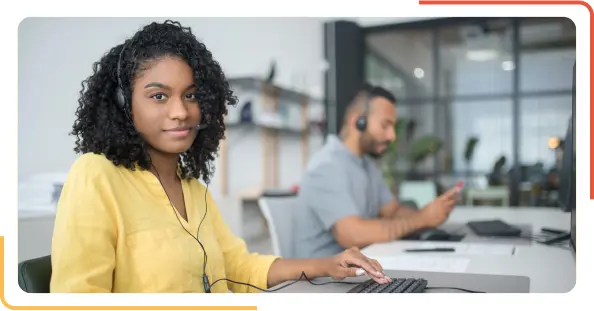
x: 337, y: 184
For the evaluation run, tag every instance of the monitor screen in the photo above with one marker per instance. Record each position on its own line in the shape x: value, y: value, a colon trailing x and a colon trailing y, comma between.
x: 567, y: 200
x: 567, y: 185
x: 567, y: 172
x: 573, y: 164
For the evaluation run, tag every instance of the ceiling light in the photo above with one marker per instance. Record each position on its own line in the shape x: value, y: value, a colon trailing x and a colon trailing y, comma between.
x: 419, y: 73
x: 554, y: 142
x: 481, y: 55
x: 508, y: 65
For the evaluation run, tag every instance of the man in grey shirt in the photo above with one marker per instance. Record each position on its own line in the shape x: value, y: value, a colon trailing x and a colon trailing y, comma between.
x: 343, y: 201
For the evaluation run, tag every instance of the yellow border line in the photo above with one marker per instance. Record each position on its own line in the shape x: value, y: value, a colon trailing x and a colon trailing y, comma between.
x: 11, y: 307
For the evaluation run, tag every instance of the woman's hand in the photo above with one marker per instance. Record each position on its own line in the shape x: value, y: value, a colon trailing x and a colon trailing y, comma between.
x: 352, y: 263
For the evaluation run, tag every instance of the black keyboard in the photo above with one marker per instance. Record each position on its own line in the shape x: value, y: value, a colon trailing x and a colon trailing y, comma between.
x: 408, y: 285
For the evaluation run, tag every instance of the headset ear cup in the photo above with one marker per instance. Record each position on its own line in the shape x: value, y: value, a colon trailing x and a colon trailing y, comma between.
x: 361, y: 123
x: 120, y: 98
x: 121, y: 102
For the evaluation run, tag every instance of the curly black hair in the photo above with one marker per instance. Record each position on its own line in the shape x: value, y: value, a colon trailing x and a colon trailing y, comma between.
x: 103, y: 127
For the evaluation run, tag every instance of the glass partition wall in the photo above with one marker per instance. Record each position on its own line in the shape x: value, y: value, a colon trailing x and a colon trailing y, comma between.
x: 484, y: 100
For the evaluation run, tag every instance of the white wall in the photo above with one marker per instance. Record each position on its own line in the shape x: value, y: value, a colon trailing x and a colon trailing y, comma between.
x: 56, y: 54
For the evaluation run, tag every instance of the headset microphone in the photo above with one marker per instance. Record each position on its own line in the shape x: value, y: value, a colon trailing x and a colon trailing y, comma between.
x: 201, y: 126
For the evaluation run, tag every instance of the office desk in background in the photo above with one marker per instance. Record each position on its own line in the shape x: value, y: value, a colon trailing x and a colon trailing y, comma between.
x: 551, y: 269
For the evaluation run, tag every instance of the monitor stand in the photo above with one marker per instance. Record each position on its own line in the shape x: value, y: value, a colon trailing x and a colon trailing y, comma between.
x: 560, y: 237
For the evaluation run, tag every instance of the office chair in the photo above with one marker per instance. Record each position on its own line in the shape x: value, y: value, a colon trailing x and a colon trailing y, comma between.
x: 35, y: 275
x: 277, y: 209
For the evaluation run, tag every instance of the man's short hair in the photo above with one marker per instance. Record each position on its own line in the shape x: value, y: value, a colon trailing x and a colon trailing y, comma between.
x: 372, y: 91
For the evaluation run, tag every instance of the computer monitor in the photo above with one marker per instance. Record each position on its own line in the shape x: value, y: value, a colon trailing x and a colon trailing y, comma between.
x: 567, y: 169
x: 567, y: 177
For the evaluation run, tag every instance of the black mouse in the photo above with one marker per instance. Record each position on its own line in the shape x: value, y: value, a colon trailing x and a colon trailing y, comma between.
x: 434, y: 235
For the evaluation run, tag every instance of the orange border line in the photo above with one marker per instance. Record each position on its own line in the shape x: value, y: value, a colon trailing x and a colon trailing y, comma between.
x: 11, y: 307
x: 543, y: 2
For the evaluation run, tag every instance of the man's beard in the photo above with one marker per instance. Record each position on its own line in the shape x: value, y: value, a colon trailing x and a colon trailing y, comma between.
x: 370, y: 146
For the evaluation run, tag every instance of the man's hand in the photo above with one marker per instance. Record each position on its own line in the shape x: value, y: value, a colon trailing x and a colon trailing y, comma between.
x: 438, y: 210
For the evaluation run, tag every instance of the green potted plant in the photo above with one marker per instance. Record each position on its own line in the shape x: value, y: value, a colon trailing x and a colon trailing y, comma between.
x: 420, y: 150
x: 469, y: 154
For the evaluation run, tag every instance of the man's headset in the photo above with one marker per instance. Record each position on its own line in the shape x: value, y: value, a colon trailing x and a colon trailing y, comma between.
x: 361, y: 122
x: 120, y: 97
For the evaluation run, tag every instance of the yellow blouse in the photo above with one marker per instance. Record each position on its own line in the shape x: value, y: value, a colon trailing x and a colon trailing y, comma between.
x: 115, y: 231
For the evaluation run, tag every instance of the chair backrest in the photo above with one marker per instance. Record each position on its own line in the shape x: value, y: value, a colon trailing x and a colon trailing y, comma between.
x: 421, y: 192
x: 278, y: 211
x: 35, y: 275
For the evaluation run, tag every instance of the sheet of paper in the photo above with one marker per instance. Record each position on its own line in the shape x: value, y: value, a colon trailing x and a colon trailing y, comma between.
x: 424, y: 263
x: 485, y: 249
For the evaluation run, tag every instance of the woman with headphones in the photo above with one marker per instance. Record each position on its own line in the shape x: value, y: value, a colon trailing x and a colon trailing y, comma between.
x: 132, y: 216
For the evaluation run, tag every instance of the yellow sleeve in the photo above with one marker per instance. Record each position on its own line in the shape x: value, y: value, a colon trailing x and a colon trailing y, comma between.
x: 84, y: 239
x: 241, y: 266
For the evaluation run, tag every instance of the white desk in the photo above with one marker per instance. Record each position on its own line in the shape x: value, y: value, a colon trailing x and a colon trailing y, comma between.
x: 550, y: 269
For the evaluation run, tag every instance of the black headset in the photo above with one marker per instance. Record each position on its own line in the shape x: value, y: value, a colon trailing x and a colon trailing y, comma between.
x: 119, y: 93
x: 361, y: 122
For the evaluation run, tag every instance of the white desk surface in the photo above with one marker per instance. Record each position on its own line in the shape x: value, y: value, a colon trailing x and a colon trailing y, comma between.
x: 550, y: 269
x: 536, y: 216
